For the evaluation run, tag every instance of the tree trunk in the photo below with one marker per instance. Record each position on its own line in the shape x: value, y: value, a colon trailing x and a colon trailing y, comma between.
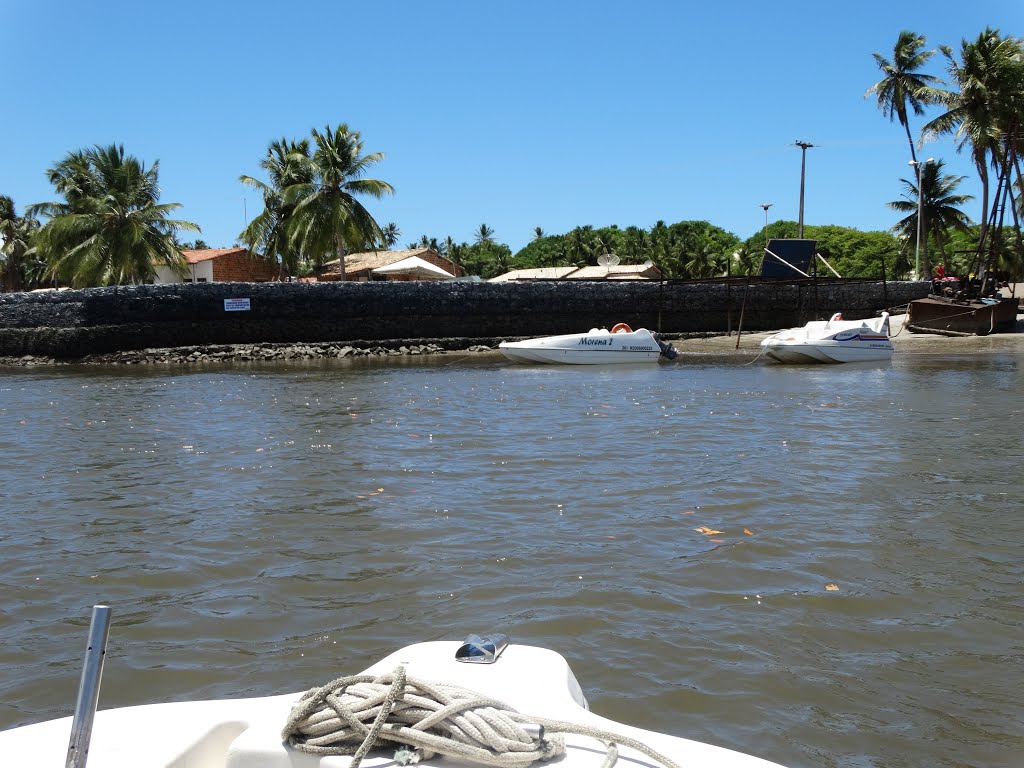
x: 910, y: 140
x: 982, y: 166
x: 342, y: 252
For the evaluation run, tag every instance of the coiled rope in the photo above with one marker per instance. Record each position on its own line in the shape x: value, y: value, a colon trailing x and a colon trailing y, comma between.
x: 352, y: 715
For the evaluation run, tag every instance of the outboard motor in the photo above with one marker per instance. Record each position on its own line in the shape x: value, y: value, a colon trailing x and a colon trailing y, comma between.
x: 667, y: 350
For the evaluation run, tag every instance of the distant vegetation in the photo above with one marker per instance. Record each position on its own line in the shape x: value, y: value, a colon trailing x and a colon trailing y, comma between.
x: 110, y: 228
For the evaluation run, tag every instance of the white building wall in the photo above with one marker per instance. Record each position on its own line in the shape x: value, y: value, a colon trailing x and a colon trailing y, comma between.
x: 197, y: 273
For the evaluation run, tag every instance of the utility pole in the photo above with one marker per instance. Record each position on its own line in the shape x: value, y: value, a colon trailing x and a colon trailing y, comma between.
x: 804, y: 146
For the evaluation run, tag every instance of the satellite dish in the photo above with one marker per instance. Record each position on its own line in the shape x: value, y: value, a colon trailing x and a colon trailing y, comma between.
x: 648, y: 264
x: 607, y: 260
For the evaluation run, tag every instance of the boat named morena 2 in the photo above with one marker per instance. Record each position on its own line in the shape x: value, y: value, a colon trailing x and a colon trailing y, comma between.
x: 598, y: 346
x: 832, y: 341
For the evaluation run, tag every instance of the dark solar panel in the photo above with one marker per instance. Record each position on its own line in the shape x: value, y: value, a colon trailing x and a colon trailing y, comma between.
x: 799, y: 253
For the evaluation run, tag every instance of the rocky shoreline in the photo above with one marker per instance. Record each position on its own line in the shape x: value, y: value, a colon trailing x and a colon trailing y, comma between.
x: 265, y: 352
x: 694, y: 343
x: 284, y: 351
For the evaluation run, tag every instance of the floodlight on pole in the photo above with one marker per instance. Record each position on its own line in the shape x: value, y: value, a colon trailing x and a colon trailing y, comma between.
x: 804, y: 146
x: 766, y: 206
x: 920, y: 207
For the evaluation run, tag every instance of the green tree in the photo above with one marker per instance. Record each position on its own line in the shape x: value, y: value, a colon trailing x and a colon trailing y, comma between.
x: 16, y: 233
x: 985, y: 113
x: 940, y: 211
x: 853, y: 253
x: 635, y: 245
x: 328, y: 219
x: 745, y: 260
x: 545, y: 251
x: 390, y: 234
x: 431, y: 243
x: 268, y: 234
x: 483, y: 234
x: 110, y: 229
x: 695, y: 249
x: 903, y: 84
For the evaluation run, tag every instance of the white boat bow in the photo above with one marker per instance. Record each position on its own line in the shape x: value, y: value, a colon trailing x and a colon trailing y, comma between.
x: 598, y: 346
x: 247, y: 733
x: 832, y: 341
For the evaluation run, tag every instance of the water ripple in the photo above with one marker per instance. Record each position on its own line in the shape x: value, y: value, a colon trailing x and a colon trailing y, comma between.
x: 816, y: 565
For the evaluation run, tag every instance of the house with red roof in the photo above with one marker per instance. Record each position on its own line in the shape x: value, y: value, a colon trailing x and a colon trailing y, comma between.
x: 219, y: 265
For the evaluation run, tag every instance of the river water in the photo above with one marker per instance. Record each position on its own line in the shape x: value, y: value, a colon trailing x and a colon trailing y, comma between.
x: 821, y: 566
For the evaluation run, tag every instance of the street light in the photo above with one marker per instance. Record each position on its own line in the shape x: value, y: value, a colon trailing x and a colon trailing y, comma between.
x: 920, y: 200
x: 766, y: 206
x: 804, y: 146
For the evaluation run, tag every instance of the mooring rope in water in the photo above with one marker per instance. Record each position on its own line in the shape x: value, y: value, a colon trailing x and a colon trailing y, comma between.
x: 352, y: 715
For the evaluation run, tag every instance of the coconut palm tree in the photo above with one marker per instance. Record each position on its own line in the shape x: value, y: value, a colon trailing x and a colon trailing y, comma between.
x: 110, y: 229
x: 15, y: 246
x: 450, y: 246
x: 903, y: 84
x: 940, y: 210
x: 390, y: 234
x: 484, y: 234
x: 538, y: 233
x: 603, y: 244
x: 328, y: 219
x: 431, y: 243
x: 268, y: 233
x: 745, y: 260
x: 705, y: 260
x: 985, y: 113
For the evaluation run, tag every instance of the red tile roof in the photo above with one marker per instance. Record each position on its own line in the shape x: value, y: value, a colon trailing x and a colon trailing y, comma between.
x: 194, y: 257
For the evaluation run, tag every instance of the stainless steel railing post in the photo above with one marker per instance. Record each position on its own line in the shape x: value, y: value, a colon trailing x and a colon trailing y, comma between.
x: 89, y: 688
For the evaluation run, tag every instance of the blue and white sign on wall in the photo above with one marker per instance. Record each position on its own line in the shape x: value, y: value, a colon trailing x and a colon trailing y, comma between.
x: 236, y: 305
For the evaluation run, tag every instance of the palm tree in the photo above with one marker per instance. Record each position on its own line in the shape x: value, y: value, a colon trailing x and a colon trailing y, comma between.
x: 110, y: 229
x: 328, y: 219
x: 904, y: 85
x: 635, y: 245
x: 745, y: 260
x: 985, y: 113
x: 939, y: 210
x: 579, y: 244
x: 538, y: 233
x: 268, y: 233
x: 484, y: 234
x: 390, y: 234
x: 15, y: 245
x: 705, y: 261
x: 449, y: 246
x: 603, y: 244
x: 429, y: 242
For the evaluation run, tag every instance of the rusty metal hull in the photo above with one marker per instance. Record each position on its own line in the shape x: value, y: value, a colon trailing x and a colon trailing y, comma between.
x: 976, y: 317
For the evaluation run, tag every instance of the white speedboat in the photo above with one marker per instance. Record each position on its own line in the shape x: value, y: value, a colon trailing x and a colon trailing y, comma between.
x: 598, y: 346
x: 832, y: 341
x: 522, y: 705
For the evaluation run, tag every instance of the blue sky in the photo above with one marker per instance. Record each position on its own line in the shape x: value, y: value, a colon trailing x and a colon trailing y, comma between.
x: 517, y: 115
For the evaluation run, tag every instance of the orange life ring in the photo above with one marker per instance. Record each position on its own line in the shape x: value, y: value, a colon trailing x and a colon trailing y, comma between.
x: 621, y: 328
